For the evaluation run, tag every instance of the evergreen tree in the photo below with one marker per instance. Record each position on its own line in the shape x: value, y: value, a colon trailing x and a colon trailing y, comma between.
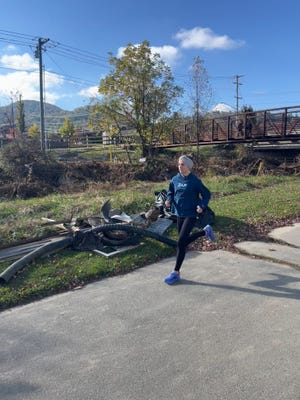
x: 20, y: 115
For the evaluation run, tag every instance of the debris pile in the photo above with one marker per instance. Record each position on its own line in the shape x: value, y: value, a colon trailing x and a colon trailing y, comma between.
x: 109, y: 233
x: 111, y: 229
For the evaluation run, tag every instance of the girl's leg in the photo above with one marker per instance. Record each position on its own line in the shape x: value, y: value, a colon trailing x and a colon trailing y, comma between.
x: 195, y: 235
x: 184, y: 226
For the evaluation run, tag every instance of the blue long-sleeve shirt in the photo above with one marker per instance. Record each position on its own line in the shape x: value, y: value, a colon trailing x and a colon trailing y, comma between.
x: 186, y: 193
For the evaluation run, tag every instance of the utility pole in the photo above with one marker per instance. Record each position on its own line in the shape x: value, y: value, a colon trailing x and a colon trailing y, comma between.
x: 38, y: 54
x: 237, y: 97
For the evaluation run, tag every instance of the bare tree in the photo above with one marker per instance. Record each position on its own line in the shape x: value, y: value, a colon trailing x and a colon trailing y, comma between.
x: 202, y: 96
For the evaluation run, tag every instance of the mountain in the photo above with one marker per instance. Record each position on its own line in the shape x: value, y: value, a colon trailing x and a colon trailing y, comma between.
x: 54, y: 116
x: 223, y: 108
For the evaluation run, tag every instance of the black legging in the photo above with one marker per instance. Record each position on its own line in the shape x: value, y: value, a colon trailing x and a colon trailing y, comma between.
x: 184, y: 227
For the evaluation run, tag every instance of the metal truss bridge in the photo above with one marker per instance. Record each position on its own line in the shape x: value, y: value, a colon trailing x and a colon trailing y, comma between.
x: 272, y: 127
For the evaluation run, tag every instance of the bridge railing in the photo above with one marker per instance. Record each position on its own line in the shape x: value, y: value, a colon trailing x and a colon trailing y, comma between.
x: 272, y: 124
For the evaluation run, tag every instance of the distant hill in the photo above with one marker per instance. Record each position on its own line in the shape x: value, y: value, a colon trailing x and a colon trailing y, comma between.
x: 54, y: 116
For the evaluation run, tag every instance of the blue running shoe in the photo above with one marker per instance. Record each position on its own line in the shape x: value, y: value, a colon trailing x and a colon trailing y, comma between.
x: 209, y: 233
x: 172, y: 278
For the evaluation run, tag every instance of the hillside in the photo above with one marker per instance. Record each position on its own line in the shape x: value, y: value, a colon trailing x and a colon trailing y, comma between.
x: 54, y: 116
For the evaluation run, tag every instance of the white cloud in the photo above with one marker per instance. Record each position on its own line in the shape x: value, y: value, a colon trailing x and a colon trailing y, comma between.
x: 205, y: 38
x: 22, y: 62
x: 22, y: 78
x: 169, y: 54
x: 25, y: 79
x: 51, y: 97
x: 22, y: 82
x: 89, y: 92
x: 120, y: 51
x: 52, y: 80
x: 27, y: 84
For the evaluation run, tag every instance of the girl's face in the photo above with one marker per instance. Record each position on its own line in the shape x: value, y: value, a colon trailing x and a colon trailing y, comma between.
x: 183, y: 169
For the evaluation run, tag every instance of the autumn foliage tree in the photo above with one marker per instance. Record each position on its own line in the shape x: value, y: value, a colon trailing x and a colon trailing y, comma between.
x: 139, y: 92
x: 67, y: 130
x: 34, y: 131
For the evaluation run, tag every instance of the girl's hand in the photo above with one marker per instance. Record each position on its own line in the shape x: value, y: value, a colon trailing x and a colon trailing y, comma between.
x: 199, y: 210
x: 167, y: 203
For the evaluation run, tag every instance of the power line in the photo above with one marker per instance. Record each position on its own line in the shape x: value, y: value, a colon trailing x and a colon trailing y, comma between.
x: 78, y: 54
x: 55, y: 47
x: 15, y: 34
x: 68, y: 78
x: 15, y: 37
x: 19, y: 69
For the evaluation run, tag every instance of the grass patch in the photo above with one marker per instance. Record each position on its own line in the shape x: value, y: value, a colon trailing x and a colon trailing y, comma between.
x: 96, y: 152
x: 71, y: 269
x: 257, y: 206
x: 240, y: 203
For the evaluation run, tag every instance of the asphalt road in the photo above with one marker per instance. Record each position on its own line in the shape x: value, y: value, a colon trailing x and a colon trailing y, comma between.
x: 229, y: 330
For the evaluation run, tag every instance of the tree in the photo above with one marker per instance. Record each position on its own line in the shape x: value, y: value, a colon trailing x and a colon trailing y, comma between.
x: 246, y: 108
x: 67, y: 130
x: 20, y: 115
x: 34, y: 131
x: 202, y: 95
x: 138, y: 92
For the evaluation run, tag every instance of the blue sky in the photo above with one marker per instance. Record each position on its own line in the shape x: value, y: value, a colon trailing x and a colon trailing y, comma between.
x: 258, y: 40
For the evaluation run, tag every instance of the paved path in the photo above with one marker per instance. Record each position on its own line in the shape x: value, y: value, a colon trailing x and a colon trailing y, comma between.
x: 229, y: 330
x: 286, y: 252
x: 288, y: 234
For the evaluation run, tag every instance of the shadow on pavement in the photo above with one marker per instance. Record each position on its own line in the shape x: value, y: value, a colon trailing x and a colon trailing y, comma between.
x: 276, y: 287
x: 15, y: 389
